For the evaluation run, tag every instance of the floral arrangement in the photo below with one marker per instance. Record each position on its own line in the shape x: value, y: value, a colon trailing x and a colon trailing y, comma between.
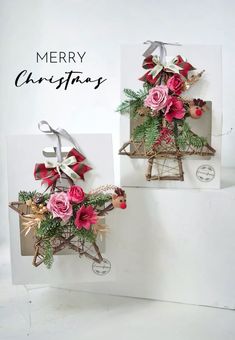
x: 65, y: 216
x: 161, y: 110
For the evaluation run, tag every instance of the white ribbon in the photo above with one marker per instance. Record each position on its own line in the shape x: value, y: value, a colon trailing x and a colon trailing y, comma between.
x: 64, y: 167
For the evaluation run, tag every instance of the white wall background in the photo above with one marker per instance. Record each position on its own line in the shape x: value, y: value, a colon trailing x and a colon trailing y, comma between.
x: 98, y: 27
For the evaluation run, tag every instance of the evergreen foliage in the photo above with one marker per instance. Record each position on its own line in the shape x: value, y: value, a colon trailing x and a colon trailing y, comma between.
x: 49, y: 227
x: 98, y: 200
x: 26, y: 195
x: 186, y: 138
x: 148, y: 131
x: 48, y: 254
x: 86, y: 235
x: 135, y: 100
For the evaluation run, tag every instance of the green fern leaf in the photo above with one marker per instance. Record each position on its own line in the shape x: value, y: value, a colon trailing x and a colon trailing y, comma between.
x: 151, y: 132
x: 139, y: 132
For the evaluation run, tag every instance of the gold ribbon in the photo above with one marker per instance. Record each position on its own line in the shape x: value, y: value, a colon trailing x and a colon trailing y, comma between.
x: 31, y: 221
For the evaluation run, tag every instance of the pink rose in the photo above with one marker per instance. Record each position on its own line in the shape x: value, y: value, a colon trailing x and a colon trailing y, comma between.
x: 85, y: 217
x: 76, y: 194
x: 60, y: 206
x: 175, y: 83
x: 174, y: 109
x: 157, y: 98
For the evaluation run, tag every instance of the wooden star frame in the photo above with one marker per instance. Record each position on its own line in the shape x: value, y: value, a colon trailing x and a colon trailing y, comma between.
x: 66, y: 240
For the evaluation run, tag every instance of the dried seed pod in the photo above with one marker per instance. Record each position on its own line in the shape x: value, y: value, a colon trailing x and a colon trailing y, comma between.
x: 38, y: 198
x: 143, y: 111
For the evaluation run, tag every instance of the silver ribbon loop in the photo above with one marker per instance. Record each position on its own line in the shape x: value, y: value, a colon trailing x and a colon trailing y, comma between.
x: 158, y: 44
x: 45, y: 127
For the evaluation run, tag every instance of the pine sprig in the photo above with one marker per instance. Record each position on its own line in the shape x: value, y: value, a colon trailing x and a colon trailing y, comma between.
x: 152, y: 132
x: 98, y: 200
x: 131, y: 94
x: 86, y: 235
x: 50, y: 227
x: 186, y: 138
x: 26, y: 195
x: 134, y: 102
x: 139, y: 132
x: 148, y: 131
x: 48, y: 254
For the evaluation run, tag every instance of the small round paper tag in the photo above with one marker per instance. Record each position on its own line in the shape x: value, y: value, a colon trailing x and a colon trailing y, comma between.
x: 102, y: 268
x: 205, y: 173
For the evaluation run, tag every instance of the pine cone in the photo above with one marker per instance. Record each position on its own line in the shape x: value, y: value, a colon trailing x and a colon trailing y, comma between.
x: 38, y: 198
x: 143, y: 111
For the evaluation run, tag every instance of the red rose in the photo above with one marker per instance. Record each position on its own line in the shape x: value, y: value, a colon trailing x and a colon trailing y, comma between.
x: 76, y: 194
x: 175, y: 83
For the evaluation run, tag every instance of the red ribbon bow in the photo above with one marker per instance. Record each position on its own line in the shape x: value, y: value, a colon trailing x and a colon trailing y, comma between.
x: 50, y: 176
x: 149, y: 64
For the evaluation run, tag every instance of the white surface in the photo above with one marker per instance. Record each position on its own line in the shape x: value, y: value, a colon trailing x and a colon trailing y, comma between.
x: 209, y: 88
x: 175, y: 245
x: 49, y: 313
x: 31, y: 146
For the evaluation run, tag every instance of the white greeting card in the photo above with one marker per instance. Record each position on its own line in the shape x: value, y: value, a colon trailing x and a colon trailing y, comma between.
x: 197, y: 171
x: 23, y: 152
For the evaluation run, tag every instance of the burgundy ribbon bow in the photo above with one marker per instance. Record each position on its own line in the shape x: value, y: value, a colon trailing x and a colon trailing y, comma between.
x: 149, y: 64
x: 50, y: 176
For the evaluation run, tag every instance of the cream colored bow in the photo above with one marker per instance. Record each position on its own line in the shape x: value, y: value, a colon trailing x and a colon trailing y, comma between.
x: 169, y: 66
x: 64, y: 167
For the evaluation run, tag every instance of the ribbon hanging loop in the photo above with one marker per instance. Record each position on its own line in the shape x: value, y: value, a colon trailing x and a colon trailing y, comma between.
x: 45, y: 127
x: 158, y: 44
x: 71, y: 166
